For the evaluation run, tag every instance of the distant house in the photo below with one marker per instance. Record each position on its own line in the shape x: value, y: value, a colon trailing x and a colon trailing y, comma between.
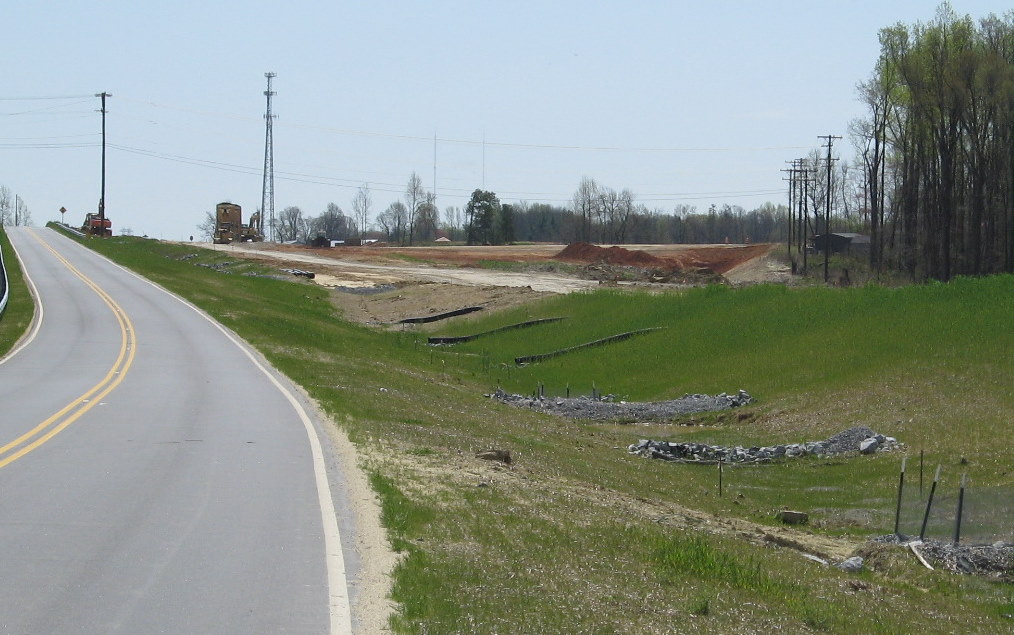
x: 842, y: 243
x: 442, y: 239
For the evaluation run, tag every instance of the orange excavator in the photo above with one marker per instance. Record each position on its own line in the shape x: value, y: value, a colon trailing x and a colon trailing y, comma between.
x: 96, y: 226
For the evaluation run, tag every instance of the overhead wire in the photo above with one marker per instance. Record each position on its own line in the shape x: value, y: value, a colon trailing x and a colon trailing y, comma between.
x: 381, y: 186
x: 45, y: 97
x: 475, y: 142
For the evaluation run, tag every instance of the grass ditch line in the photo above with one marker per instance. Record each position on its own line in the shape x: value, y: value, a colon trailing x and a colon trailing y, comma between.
x: 510, y: 327
x: 529, y: 359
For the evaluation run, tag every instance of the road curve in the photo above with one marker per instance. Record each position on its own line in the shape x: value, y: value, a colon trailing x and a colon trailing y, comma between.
x: 154, y: 475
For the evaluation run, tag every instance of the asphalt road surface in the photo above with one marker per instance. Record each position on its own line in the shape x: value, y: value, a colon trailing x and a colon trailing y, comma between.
x: 154, y: 476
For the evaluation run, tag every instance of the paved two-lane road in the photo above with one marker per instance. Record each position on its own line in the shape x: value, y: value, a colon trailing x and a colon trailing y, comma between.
x: 154, y: 477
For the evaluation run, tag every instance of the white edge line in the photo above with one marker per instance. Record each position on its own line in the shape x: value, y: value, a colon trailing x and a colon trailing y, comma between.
x: 37, y: 320
x: 338, y: 594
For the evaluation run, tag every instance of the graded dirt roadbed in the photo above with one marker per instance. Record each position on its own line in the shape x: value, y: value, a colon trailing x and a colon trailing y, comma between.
x: 356, y: 273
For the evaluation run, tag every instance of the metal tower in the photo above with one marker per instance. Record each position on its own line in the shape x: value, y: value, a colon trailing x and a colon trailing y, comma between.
x: 268, y: 189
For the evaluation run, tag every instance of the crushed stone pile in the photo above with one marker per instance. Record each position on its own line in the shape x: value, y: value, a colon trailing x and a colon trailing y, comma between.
x: 608, y: 408
x: 995, y: 560
x: 857, y: 439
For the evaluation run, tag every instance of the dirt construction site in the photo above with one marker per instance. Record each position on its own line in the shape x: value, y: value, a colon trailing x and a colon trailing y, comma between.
x: 385, y: 284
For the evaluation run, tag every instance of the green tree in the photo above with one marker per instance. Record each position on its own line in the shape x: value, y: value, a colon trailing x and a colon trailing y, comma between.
x: 482, y: 213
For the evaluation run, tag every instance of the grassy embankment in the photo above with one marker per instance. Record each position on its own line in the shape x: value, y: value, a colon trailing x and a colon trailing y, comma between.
x: 16, y: 318
x: 578, y: 536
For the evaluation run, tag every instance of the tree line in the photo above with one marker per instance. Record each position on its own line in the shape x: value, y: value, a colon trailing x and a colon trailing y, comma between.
x: 13, y: 210
x: 596, y: 214
x: 935, y: 147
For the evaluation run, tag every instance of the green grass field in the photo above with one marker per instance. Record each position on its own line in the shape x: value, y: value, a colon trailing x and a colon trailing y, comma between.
x: 15, y: 320
x: 579, y: 536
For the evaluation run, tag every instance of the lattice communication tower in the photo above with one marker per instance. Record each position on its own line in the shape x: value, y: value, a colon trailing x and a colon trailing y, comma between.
x: 268, y: 189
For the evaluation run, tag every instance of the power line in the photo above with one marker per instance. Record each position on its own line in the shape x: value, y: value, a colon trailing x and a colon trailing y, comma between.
x: 396, y: 188
x: 46, y: 109
x: 66, y: 136
x: 46, y: 98
x: 45, y: 146
x: 482, y: 141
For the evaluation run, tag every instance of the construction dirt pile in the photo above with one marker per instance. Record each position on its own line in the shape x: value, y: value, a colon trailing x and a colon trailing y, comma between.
x: 616, y: 264
x: 608, y: 408
x: 587, y: 253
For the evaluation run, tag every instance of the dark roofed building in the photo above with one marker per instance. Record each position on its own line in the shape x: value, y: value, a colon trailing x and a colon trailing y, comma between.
x: 843, y: 243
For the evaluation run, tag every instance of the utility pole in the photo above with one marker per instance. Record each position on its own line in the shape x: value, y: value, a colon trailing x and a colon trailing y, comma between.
x: 434, y: 169
x: 798, y: 191
x: 102, y: 193
x: 16, y: 206
x: 804, y: 211
x: 268, y: 187
x: 827, y: 213
x: 792, y: 192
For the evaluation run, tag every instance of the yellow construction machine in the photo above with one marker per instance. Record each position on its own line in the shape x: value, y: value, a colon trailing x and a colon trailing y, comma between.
x: 229, y: 227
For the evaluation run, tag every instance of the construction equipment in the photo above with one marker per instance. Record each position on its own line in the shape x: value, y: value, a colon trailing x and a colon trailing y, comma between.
x: 229, y: 225
x: 95, y: 226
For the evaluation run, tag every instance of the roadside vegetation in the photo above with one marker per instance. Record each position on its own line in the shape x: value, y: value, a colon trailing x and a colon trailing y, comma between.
x: 15, y: 319
x: 575, y: 535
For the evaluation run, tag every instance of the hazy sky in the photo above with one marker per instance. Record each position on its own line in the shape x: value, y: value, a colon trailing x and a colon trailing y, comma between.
x: 681, y: 102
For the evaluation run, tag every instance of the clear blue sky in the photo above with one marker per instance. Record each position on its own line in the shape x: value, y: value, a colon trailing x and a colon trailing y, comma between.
x: 701, y: 102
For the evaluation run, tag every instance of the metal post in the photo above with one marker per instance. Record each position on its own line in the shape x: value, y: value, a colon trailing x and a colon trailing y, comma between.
x: 929, y: 504
x: 961, y: 504
x: 901, y: 488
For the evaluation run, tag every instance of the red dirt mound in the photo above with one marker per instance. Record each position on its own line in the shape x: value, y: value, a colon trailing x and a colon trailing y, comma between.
x: 584, y: 252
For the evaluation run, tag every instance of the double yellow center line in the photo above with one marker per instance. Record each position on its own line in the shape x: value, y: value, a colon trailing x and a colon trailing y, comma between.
x: 70, y: 413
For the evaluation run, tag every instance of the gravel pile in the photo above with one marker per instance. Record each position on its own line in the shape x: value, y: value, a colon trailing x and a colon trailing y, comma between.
x: 995, y: 560
x: 858, y: 439
x: 848, y: 440
x: 608, y: 408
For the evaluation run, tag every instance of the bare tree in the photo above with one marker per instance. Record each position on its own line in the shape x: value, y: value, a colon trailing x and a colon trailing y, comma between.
x: 332, y: 223
x: 361, y: 204
x: 415, y: 198
x: 291, y: 226
x: 206, y: 229
x: 22, y: 215
x: 584, y: 202
x: 6, y: 212
x: 392, y: 221
x: 427, y: 219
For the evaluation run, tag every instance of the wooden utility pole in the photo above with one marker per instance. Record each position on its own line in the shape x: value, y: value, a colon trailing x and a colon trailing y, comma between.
x: 792, y: 194
x: 827, y: 212
x: 102, y: 193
